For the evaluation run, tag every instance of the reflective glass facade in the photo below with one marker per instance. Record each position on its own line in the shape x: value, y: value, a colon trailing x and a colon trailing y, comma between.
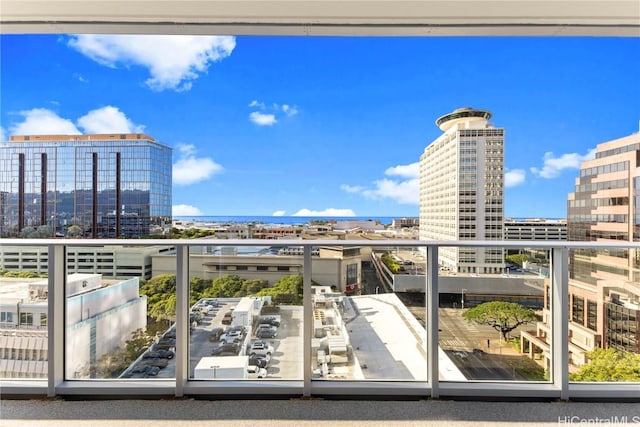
x: 107, y: 186
x: 605, y: 283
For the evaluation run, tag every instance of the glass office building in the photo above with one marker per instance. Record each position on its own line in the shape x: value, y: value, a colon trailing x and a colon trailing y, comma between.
x: 107, y: 186
x: 604, y: 285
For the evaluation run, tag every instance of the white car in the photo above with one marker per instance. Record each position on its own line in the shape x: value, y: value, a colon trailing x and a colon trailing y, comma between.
x: 260, y: 347
x: 255, y: 372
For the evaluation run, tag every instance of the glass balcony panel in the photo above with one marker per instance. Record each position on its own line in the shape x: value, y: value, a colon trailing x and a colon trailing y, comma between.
x: 245, y: 312
x: 119, y: 320
x: 604, y: 315
x: 23, y: 313
x: 493, y: 324
x: 370, y: 325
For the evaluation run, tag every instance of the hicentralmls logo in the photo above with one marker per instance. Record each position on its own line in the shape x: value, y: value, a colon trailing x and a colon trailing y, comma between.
x: 616, y: 420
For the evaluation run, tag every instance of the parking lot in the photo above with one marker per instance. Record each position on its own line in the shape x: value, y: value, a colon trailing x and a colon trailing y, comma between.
x: 286, y: 356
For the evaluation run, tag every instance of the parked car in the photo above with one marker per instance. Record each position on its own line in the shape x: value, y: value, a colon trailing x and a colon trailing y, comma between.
x: 269, y: 332
x: 227, y: 318
x: 256, y: 372
x: 216, y: 333
x: 158, y: 354
x: 259, y: 360
x: 270, y: 320
x: 260, y: 347
x: 226, y: 349
x: 233, y: 335
x: 152, y: 371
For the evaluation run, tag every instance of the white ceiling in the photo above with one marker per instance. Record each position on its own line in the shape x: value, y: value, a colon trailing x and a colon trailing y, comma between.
x: 324, y: 17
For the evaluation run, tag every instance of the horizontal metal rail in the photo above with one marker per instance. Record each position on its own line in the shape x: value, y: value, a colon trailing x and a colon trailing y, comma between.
x: 559, y: 386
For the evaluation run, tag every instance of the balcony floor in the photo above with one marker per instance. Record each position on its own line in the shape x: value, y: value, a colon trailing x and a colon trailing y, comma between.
x: 311, y: 412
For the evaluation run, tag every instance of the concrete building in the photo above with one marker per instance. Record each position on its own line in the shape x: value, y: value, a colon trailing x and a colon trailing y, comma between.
x: 107, y: 185
x: 331, y: 266
x: 461, y: 190
x: 100, y: 316
x: 535, y: 229
x: 114, y: 262
x: 604, y: 285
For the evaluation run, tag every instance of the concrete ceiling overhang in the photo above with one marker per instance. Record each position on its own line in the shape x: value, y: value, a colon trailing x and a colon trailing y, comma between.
x: 325, y: 17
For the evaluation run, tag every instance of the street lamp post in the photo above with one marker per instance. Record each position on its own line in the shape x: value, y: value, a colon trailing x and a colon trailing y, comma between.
x: 462, y: 299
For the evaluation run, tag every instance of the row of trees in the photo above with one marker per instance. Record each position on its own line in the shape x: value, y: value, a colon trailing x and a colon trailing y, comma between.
x: 161, y: 291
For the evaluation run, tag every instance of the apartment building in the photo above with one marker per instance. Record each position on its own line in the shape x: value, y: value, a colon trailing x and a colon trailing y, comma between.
x: 106, y: 185
x: 461, y: 190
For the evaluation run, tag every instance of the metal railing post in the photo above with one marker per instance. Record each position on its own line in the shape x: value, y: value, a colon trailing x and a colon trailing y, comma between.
x: 55, y: 317
x: 560, y: 320
x: 182, y: 318
x: 307, y: 318
x: 431, y: 306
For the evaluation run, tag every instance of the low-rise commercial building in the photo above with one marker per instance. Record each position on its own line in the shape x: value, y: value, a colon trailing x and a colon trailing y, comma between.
x: 100, y: 316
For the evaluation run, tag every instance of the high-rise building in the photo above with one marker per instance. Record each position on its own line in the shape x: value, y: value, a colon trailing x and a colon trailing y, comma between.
x: 106, y: 185
x: 604, y: 285
x: 461, y: 190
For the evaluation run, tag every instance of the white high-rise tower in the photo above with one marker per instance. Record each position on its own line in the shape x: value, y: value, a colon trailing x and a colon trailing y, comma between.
x: 461, y: 190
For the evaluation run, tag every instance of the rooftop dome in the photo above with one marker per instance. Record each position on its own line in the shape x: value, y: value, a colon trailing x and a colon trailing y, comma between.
x: 463, y: 114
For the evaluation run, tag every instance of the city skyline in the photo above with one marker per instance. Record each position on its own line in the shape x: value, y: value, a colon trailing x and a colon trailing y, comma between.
x: 327, y: 125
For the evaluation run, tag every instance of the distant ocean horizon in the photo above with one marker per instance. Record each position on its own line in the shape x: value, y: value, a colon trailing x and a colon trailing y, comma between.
x: 285, y: 220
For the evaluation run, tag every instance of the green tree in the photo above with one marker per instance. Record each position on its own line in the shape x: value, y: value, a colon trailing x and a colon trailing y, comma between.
x: 161, y: 296
x: 138, y: 342
x: 609, y: 365
x: 287, y: 290
x: 518, y: 259
x: 501, y: 316
x: 391, y: 263
x: 227, y: 286
x: 75, y: 231
x: 112, y: 364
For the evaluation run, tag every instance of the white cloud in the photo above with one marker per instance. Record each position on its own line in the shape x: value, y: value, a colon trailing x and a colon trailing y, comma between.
x: 41, y: 121
x: 173, y: 61
x: 108, y: 120
x: 351, y: 188
x: 326, y: 212
x: 80, y: 78
x: 289, y: 110
x: 268, y: 115
x: 257, y: 104
x: 185, y: 210
x: 279, y: 213
x: 407, y: 171
x: 262, y: 119
x: 552, y: 165
x: 514, y: 177
x: 190, y: 169
x: 404, y: 190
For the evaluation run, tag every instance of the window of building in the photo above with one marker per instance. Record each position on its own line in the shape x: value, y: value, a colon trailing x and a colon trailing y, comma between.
x: 577, y: 309
x: 592, y: 315
x: 26, y: 318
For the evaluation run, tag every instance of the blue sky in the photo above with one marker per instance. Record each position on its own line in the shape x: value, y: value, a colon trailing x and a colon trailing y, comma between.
x: 327, y: 125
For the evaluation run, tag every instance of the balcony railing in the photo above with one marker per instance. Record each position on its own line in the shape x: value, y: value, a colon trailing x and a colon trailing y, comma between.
x: 425, y: 376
